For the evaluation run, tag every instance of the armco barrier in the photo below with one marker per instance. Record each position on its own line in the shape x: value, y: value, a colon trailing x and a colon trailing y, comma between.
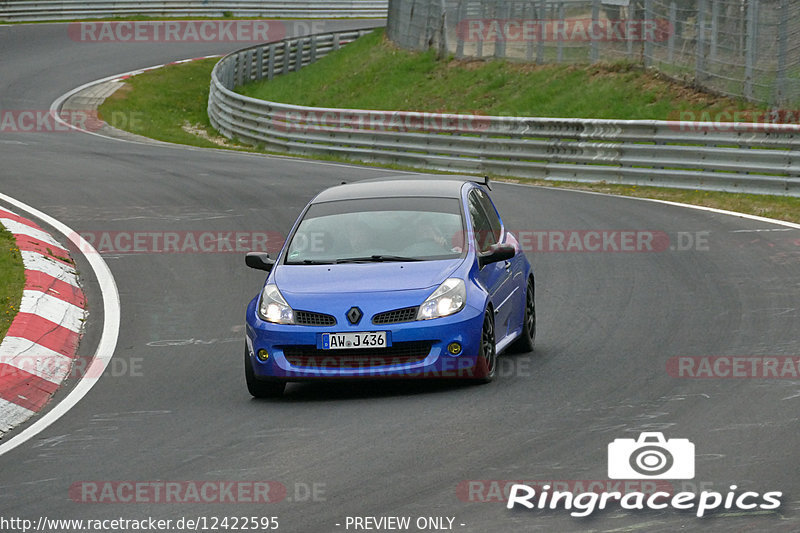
x: 741, y: 157
x: 37, y: 10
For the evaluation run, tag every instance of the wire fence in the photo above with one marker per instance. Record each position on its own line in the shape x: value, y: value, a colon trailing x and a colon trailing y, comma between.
x: 742, y: 48
x: 752, y: 158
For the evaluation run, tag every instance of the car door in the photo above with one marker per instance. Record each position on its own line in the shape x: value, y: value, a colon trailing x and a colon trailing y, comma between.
x: 496, y: 277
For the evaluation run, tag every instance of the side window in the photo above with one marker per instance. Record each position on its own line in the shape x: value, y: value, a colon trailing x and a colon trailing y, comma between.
x: 481, y: 226
x: 491, y: 214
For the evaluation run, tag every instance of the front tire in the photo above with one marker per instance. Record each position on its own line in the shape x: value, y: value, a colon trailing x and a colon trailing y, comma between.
x: 259, y: 388
x: 527, y: 338
x: 487, y: 357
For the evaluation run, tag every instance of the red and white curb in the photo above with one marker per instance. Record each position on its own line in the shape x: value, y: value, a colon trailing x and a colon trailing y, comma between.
x: 37, y: 352
x: 132, y: 73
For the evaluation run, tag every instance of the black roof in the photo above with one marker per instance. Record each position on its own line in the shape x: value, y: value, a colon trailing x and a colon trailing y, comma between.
x: 399, y: 185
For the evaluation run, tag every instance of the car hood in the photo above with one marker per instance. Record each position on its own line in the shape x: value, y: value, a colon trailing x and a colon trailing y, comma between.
x: 372, y: 287
x: 363, y: 277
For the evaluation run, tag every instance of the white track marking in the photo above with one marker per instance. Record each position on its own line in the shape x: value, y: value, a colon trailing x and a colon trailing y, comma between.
x: 55, y: 108
x: 667, y: 202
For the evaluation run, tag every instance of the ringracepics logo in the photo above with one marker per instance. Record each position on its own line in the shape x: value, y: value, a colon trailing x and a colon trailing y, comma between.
x: 651, y: 456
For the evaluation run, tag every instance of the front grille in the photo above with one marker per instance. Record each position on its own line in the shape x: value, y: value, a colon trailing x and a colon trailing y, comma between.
x: 406, y: 314
x: 400, y: 353
x: 309, y: 318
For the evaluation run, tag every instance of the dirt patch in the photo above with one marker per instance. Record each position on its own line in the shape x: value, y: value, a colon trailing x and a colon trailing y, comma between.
x: 121, y: 93
x: 200, y: 131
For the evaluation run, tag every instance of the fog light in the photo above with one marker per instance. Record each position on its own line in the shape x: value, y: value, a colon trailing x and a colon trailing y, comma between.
x: 454, y: 348
x: 262, y: 355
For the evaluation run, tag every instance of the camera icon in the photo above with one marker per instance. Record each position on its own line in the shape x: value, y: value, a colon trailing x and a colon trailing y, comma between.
x: 651, y: 457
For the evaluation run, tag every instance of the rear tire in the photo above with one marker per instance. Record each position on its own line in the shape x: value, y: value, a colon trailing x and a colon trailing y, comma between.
x: 260, y: 388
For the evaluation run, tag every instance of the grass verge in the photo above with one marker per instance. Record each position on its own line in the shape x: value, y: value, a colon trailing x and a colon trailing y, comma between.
x: 12, y: 279
x: 372, y: 73
x: 169, y: 104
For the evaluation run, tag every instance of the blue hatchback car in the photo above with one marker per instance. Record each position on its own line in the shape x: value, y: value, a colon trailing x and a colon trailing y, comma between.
x: 401, y: 277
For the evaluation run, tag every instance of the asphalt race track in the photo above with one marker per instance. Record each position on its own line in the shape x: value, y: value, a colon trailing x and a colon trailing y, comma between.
x: 173, y: 405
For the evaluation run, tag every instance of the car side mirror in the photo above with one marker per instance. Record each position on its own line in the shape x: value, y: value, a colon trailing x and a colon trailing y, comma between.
x: 259, y: 261
x: 497, y: 252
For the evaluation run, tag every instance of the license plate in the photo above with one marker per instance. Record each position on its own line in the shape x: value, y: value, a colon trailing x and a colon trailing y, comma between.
x: 346, y: 341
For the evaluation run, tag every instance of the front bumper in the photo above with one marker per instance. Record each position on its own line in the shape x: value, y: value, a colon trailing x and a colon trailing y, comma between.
x: 417, y: 349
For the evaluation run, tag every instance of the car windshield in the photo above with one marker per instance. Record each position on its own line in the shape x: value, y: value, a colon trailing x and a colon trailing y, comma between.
x: 377, y: 230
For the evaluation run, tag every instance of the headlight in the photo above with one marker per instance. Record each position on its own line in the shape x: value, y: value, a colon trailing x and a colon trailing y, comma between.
x: 449, y: 298
x: 273, y: 308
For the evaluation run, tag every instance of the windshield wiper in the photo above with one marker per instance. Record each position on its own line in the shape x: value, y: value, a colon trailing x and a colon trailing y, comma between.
x: 309, y: 262
x: 376, y: 259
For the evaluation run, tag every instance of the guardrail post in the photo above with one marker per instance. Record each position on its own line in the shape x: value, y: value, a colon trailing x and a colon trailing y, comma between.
x: 287, y: 52
x: 248, y: 70
x: 239, y: 70
x: 259, y: 63
x: 271, y: 62
x: 301, y: 51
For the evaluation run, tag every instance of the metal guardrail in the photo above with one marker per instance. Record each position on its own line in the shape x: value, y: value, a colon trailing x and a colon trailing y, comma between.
x: 37, y: 10
x: 737, y: 157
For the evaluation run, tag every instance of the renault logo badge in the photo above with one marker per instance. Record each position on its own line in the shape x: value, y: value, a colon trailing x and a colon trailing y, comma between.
x: 354, y: 315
